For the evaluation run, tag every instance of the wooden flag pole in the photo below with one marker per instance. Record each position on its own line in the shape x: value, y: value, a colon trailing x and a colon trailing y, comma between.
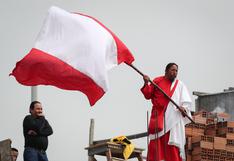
x: 172, y: 101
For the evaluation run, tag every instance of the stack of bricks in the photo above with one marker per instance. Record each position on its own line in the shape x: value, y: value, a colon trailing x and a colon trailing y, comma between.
x: 202, y: 148
x: 211, y: 138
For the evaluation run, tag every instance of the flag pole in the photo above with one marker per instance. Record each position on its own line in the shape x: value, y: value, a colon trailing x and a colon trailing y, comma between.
x: 33, y: 93
x: 160, y: 89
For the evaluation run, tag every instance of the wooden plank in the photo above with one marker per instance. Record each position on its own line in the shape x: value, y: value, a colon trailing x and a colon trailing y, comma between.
x: 97, y: 151
x: 139, y: 157
x: 91, y: 131
x: 108, y: 155
x: 91, y: 136
x: 117, y: 159
x: 116, y: 150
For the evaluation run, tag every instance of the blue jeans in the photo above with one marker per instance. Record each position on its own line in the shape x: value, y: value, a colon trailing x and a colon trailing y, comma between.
x: 31, y: 154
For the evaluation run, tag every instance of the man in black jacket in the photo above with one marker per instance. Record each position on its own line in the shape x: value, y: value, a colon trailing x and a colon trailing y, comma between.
x: 36, y: 132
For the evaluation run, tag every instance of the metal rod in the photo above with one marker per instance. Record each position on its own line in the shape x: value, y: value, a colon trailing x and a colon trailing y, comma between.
x: 130, y: 137
x: 156, y: 156
x: 165, y: 143
x: 168, y: 97
x: 147, y: 129
x: 33, y: 93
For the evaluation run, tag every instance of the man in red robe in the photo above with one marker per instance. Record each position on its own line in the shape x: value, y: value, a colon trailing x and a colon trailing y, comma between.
x: 166, y: 127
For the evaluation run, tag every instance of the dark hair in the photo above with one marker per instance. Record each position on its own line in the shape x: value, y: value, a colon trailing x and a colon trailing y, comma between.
x: 31, y: 107
x: 169, y: 65
x: 14, y: 149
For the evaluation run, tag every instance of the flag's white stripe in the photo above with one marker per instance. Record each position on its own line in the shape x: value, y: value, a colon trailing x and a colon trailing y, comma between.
x: 80, y: 42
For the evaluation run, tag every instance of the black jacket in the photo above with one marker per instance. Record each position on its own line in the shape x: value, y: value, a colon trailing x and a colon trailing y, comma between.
x: 41, y: 126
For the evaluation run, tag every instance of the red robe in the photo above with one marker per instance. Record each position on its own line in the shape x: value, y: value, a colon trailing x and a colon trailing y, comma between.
x: 161, y: 150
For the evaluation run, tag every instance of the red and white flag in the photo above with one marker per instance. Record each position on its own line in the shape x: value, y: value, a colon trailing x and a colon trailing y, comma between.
x: 73, y: 52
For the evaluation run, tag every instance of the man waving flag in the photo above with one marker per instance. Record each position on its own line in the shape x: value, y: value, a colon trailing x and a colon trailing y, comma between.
x: 73, y: 52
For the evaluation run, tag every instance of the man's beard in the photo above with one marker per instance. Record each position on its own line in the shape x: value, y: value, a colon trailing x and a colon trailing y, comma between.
x: 172, y: 79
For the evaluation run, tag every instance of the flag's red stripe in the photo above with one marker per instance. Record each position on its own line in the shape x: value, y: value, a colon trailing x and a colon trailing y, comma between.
x: 40, y: 68
x: 124, y: 55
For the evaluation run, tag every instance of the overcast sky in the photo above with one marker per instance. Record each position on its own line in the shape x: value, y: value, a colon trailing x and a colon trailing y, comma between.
x: 198, y: 35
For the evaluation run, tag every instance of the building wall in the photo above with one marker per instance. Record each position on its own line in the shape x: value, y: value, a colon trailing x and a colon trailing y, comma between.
x: 221, y: 102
